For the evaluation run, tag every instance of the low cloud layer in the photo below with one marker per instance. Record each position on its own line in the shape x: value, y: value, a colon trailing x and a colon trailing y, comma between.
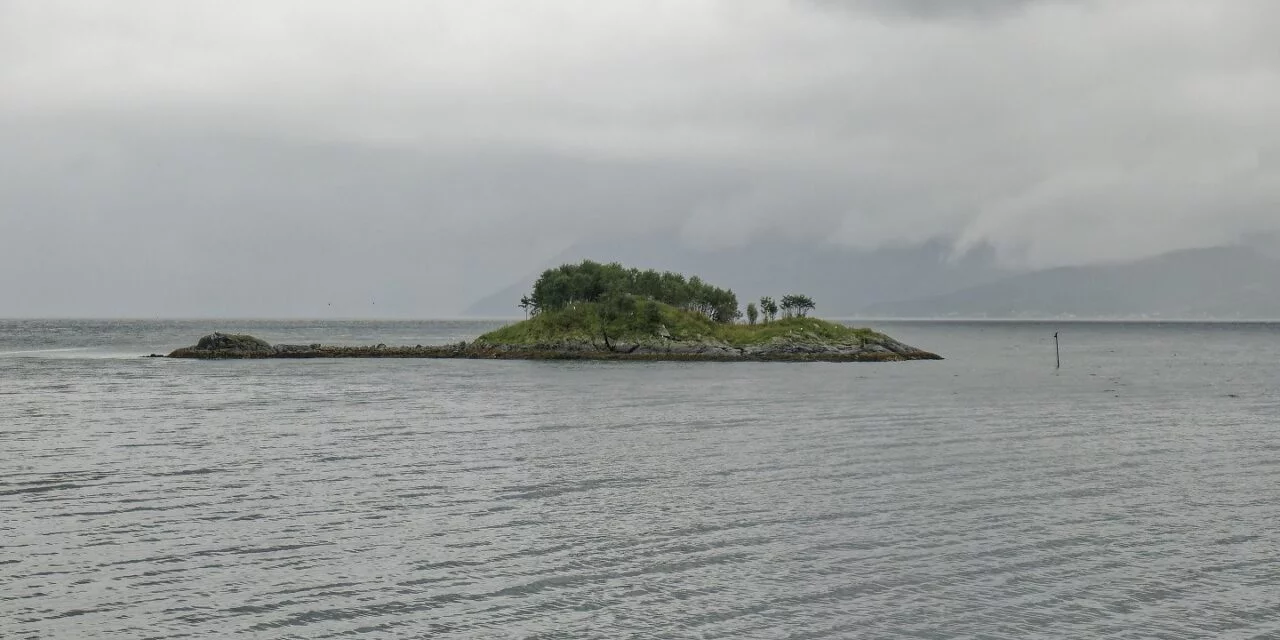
x: 289, y: 158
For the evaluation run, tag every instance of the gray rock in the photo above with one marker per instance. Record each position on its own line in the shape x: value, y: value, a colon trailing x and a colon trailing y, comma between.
x: 233, y: 342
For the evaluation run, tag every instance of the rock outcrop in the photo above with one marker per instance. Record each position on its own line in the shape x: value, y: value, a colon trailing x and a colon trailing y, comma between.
x: 228, y: 345
x: 797, y: 347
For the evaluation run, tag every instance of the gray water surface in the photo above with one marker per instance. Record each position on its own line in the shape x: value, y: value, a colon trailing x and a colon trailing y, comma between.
x: 1133, y: 494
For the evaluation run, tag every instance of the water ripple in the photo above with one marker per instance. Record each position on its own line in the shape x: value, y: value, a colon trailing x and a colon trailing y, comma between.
x: 976, y: 497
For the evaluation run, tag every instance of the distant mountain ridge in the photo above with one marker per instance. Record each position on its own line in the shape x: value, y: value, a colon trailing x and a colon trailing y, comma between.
x: 841, y: 280
x: 1231, y: 282
x: 925, y: 281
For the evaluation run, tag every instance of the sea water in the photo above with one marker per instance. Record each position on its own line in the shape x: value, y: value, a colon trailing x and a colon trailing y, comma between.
x: 1133, y: 493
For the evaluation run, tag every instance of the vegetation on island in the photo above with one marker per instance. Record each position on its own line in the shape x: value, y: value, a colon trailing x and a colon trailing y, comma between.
x: 590, y: 323
x: 610, y: 304
x: 608, y: 312
x: 623, y: 290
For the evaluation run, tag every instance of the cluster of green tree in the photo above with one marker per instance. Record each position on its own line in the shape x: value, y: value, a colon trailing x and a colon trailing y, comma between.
x: 623, y: 291
x: 792, y: 304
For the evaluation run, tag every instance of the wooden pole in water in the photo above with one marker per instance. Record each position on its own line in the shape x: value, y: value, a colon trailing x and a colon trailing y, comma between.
x: 1057, y: 351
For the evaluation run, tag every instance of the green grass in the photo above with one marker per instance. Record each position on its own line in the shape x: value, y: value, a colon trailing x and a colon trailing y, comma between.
x: 582, y: 322
x: 741, y: 335
x: 550, y: 326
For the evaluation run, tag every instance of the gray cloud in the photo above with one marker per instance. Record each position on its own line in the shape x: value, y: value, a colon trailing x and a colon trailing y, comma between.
x: 419, y: 154
x: 933, y: 9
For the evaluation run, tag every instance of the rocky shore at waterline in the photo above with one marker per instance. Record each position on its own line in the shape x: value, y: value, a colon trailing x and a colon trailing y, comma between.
x: 795, y: 347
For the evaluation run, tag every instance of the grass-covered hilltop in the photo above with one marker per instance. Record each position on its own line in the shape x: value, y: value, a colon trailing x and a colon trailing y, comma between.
x: 609, y: 312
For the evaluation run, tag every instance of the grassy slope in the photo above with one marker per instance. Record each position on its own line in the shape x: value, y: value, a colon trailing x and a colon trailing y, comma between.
x: 580, y: 322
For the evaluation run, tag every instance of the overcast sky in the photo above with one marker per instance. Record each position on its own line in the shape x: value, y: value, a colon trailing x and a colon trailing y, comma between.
x: 314, y: 158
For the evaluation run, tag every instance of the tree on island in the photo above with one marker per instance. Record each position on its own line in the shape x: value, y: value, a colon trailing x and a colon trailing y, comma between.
x: 613, y: 304
x: 769, y: 308
x: 797, y: 303
x: 590, y: 281
x: 618, y: 301
x: 615, y: 312
x: 804, y: 305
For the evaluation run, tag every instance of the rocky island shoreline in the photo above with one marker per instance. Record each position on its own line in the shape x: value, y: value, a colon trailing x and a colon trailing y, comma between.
x: 593, y: 311
x: 797, y: 348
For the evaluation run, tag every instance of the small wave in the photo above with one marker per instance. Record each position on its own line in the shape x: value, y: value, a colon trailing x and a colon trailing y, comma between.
x: 39, y: 351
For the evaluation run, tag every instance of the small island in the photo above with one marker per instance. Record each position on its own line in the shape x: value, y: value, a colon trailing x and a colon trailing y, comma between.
x: 595, y: 311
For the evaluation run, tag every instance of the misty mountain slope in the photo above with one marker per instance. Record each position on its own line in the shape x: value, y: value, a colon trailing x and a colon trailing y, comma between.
x: 1219, y: 282
x: 840, y: 280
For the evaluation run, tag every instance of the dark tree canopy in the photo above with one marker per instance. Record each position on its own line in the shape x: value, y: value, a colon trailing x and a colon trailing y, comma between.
x: 799, y: 303
x: 593, y: 282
